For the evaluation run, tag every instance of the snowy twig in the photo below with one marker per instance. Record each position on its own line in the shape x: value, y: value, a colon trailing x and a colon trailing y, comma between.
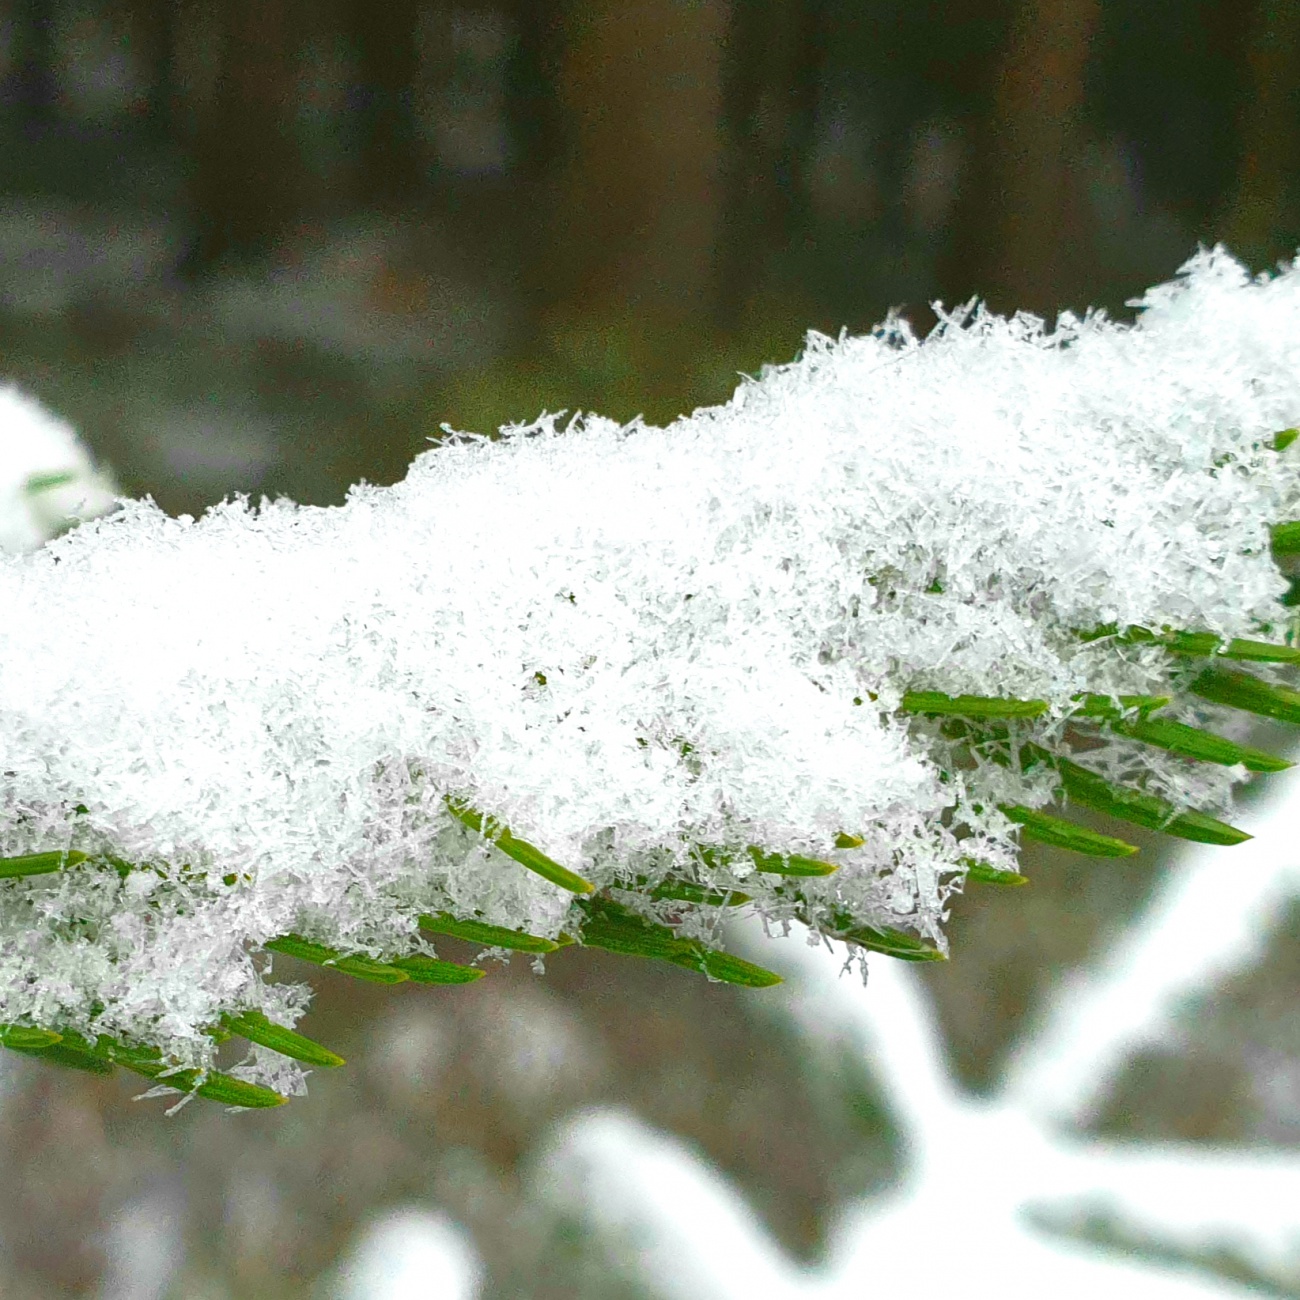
x: 826, y: 651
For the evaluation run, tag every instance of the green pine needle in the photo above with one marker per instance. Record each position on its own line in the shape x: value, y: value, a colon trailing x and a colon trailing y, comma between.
x: 69, y: 1058
x: 1286, y: 537
x: 99, y: 1057
x: 490, y: 936
x: 362, y: 968
x: 1199, y: 644
x: 37, y: 483
x: 255, y: 1026
x: 1095, y: 792
x: 726, y: 968
x: 885, y: 940
x: 1192, y: 742
x: 687, y: 891
x: 224, y: 1089
x: 24, y: 1037
x: 1115, y: 708
x: 522, y: 852
x: 614, y: 928
x: 1247, y: 692
x: 971, y: 706
x: 892, y: 943
x: 429, y: 970
x: 779, y: 864
x: 790, y: 864
x: 38, y: 864
x: 1061, y: 834
x: 981, y: 873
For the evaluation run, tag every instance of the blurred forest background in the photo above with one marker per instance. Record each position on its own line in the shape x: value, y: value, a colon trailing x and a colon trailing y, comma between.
x: 271, y: 245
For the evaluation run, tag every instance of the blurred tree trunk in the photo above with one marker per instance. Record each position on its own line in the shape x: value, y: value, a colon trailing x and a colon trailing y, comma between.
x: 637, y: 200
x: 532, y: 99
x: 773, y: 62
x: 247, y: 172
x: 1018, y: 225
x: 535, y: 127
x: 33, y: 82
x: 1261, y: 223
x: 152, y: 26
x: 384, y: 34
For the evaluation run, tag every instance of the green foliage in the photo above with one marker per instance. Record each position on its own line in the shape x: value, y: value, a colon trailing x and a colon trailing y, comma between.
x: 101, y: 1055
x: 779, y: 864
x: 429, y: 970
x: 1192, y: 742
x: 491, y: 936
x: 38, y: 864
x: 522, y: 852
x: 608, y: 925
x: 1092, y: 791
x: 1062, y: 834
x: 935, y: 703
x: 1249, y: 693
x: 981, y: 873
x: 362, y: 968
x: 254, y: 1026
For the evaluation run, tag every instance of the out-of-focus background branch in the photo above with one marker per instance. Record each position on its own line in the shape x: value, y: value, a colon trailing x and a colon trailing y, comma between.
x: 270, y: 246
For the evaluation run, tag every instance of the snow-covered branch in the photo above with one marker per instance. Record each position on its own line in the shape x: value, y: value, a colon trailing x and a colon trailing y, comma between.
x: 830, y: 646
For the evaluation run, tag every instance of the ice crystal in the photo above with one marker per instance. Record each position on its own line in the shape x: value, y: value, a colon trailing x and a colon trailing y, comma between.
x: 642, y: 650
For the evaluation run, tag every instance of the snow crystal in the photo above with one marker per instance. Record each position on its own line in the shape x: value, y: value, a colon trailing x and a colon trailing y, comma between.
x: 624, y: 642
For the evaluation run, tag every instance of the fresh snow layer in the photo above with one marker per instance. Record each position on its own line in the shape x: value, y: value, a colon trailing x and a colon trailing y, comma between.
x: 624, y: 642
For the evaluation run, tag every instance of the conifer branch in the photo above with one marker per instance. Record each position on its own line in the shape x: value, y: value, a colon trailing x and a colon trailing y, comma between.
x: 826, y: 653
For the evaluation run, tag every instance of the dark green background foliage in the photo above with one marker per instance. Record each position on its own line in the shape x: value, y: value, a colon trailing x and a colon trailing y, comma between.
x: 270, y: 245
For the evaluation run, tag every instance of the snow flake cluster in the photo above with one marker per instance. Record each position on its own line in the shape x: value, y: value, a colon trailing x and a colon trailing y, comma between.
x: 626, y: 642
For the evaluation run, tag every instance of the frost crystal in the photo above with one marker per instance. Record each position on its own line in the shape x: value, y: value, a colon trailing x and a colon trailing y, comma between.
x: 629, y: 642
